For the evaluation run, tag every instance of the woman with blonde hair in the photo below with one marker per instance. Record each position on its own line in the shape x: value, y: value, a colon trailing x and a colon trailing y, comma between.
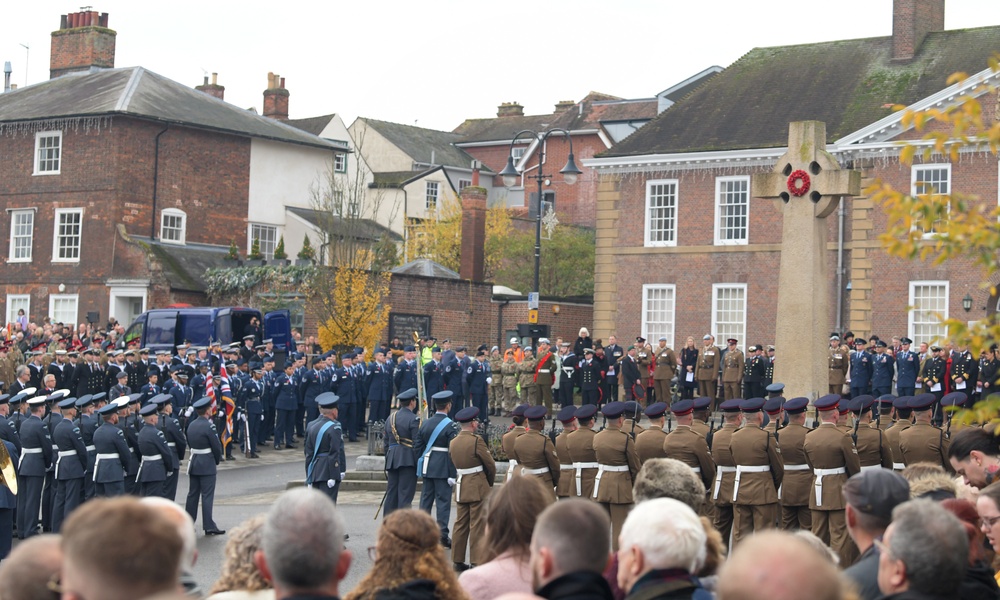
x: 409, y: 562
x: 240, y: 579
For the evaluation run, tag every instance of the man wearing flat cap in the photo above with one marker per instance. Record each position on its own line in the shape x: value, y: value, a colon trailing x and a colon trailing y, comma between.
x: 870, y: 498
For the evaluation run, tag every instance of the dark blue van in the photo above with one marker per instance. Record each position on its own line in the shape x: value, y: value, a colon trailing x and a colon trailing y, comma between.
x: 166, y: 328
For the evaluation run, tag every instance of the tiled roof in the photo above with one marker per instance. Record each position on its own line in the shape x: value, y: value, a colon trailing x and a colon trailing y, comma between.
x: 425, y: 146
x: 628, y: 110
x: 426, y: 268
x: 358, y: 229
x: 184, y: 265
x: 573, y: 118
x: 134, y: 91
x: 847, y: 84
x: 396, y: 179
x: 313, y: 125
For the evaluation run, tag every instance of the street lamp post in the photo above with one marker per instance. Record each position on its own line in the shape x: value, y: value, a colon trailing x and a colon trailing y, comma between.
x: 510, y: 175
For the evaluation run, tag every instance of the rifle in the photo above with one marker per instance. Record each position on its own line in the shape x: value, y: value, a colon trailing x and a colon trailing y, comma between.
x: 421, y: 393
x: 857, y: 422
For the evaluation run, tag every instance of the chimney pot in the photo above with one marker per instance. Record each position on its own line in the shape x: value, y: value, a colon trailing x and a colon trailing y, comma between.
x: 63, y: 22
x: 215, y: 79
x: 276, y: 98
x: 510, y: 109
x: 282, y: 86
x: 80, y: 46
x: 213, y: 89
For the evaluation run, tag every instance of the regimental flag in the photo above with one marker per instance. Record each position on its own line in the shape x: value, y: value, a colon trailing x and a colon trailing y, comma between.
x: 228, y: 405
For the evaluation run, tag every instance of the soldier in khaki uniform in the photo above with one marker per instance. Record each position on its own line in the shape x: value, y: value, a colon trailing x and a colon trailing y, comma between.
x: 732, y: 370
x: 688, y: 446
x: 476, y: 472
x: 508, y: 369
x: 901, y: 410
x: 884, y: 404
x: 526, y: 378
x: 567, y: 473
x: 725, y: 468
x: 759, y: 470
x: 618, y: 467
x: 794, y: 492
x: 869, y: 441
x: 702, y: 412
x: 707, y: 369
x: 775, y: 414
x: 666, y: 368
x: 545, y: 372
x: 535, y: 453
x: 507, y: 441
x: 580, y: 445
x: 839, y: 363
x: 495, y: 390
x: 644, y: 358
x: 649, y: 443
x: 923, y: 442
x: 844, y: 417
x: 831, y: 455
x: 631, y: 418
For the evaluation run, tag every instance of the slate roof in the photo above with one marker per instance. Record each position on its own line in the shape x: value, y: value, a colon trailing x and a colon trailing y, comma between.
x: 426, y: 267
x: 427, y: 146
x: 184, y: 266
x: 504, y: 128
x: 847, y: 84
x: 358, y: 229
x: 629, y: 110
x: 397, y: 179
x: 137, y: 92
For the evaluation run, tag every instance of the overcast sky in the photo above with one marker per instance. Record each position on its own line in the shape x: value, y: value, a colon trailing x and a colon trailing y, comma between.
x: 435, y: 63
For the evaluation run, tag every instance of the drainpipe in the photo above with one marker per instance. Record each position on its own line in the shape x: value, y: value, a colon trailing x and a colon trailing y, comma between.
x: 156, y: 176
x: 840, y: 266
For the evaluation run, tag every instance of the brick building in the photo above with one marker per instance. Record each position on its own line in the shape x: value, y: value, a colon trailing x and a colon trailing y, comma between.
x: 121, y: 187
x: 683, y: 249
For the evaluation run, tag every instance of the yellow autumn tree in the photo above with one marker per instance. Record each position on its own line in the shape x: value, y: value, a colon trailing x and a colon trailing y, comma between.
x: 356, y: 310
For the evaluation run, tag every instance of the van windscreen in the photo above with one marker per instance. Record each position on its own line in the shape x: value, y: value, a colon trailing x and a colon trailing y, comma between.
x: 195, y: 328
x: 160, y: 331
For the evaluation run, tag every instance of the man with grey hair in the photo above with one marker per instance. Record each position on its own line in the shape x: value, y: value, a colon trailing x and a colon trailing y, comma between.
x: 22, y: 381
x: 661, y: 547
x: 668, y: 478
x: 302, y: 546
x: 871, y: 497
x: 923, y: 553
x: 569, y: 551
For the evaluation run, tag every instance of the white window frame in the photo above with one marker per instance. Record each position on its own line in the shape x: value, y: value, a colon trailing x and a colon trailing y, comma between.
x: 339, y: 163
x: 263, y: 251
x: 740, y: 335
x: 721, y: 182
x: 53, y: 298
x: 517, y: 152
x: 176, y: 213
x: 648, y: 217
x: 39, y: 136
x: 11, y: 255
x: 671, y: 325
x: 12, y: 310
x: 915, y: 170
x: 463, y: 183
x: 428, y: 204
x: 912, y: 310
x: 55, y: 235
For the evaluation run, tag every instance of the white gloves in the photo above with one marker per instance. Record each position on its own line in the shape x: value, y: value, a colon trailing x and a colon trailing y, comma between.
x: 489, y: 381
x: 342, y: 475
x: 262, y: 417
x: 188, y: 411
x: 330, y: 483
x: 451, y: 481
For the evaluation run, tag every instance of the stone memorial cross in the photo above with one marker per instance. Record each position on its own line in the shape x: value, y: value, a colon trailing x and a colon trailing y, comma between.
x: 807, y: 185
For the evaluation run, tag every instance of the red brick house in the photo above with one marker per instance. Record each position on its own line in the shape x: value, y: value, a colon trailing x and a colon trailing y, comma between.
x: 120, y: 186
x: 682, y: 247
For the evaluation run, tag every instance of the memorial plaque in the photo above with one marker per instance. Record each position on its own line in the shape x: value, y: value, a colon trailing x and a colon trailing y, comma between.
x: 402, y: 325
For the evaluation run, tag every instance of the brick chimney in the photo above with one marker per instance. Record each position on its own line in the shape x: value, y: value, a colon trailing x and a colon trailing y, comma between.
x: 912, y: 20
x: 213, y: 89
x: 510, y: 109
x: 276, y: 98
x: 564, y: 105
x: 473, y: 264
x: 82, y: 41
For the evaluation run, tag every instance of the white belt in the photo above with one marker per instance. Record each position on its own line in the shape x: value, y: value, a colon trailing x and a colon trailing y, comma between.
x: 568, y: 467
x: 510, y: 469
x: 427, y: 457
x: 796, y: 467
x: 741, y: 469
x: 91, y: 448
x: 172, y: 444
x: 63, y: 453
x: 718, y: 479
x: 544, y: 371
x: 541, y: 471
x: 25, y: 451
x: 143, y: 461
x: 696, y: 470
x: 820, y: 474
x: 895, y: 466
x: 870, y: 467
x: 600, y: 473
x: 100, y: 457
x: 201, y: 450
x: 462, y: 473
x: 580, y: 466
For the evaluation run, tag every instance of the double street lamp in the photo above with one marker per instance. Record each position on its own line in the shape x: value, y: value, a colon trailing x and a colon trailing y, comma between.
x: 510, y: 175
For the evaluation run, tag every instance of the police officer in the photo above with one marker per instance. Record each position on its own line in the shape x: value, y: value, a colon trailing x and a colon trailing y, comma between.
x: 759, y: 471
x: 923, y: 441
x: 326, y: 463
x: 113, y: 454
x: 900, y: 410
x: 400, y: 462
x: 158, y: 461
x: 431, y: 448
x: 831, y: 455
x: 37, y: 457
x: 907, y: 368
x: 733, y: 364
x: 589, y: 376
x: 797, y: 480
x: 535, y: 453
x: 688, y: 446
x: 172, y: 432
x: 649, y: 443
x: 567, y: 417
x: 883, y: 370
x: 861, y: 369
x: 475, y: 472
x: 508, y: 439
x: 71, y: 465
x: 478, y: 379
x: 725, y: 467
x: 618, y: 465
x: 868, y: 440
x: 206, y: 453
x: 580, y: 445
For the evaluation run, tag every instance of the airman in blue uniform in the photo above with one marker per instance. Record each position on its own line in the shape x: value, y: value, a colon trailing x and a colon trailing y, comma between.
x: 71, y: 465
x: 206, y: 453
x: 113, y: 454
x: 861, y: 369
x: 324, y: 448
